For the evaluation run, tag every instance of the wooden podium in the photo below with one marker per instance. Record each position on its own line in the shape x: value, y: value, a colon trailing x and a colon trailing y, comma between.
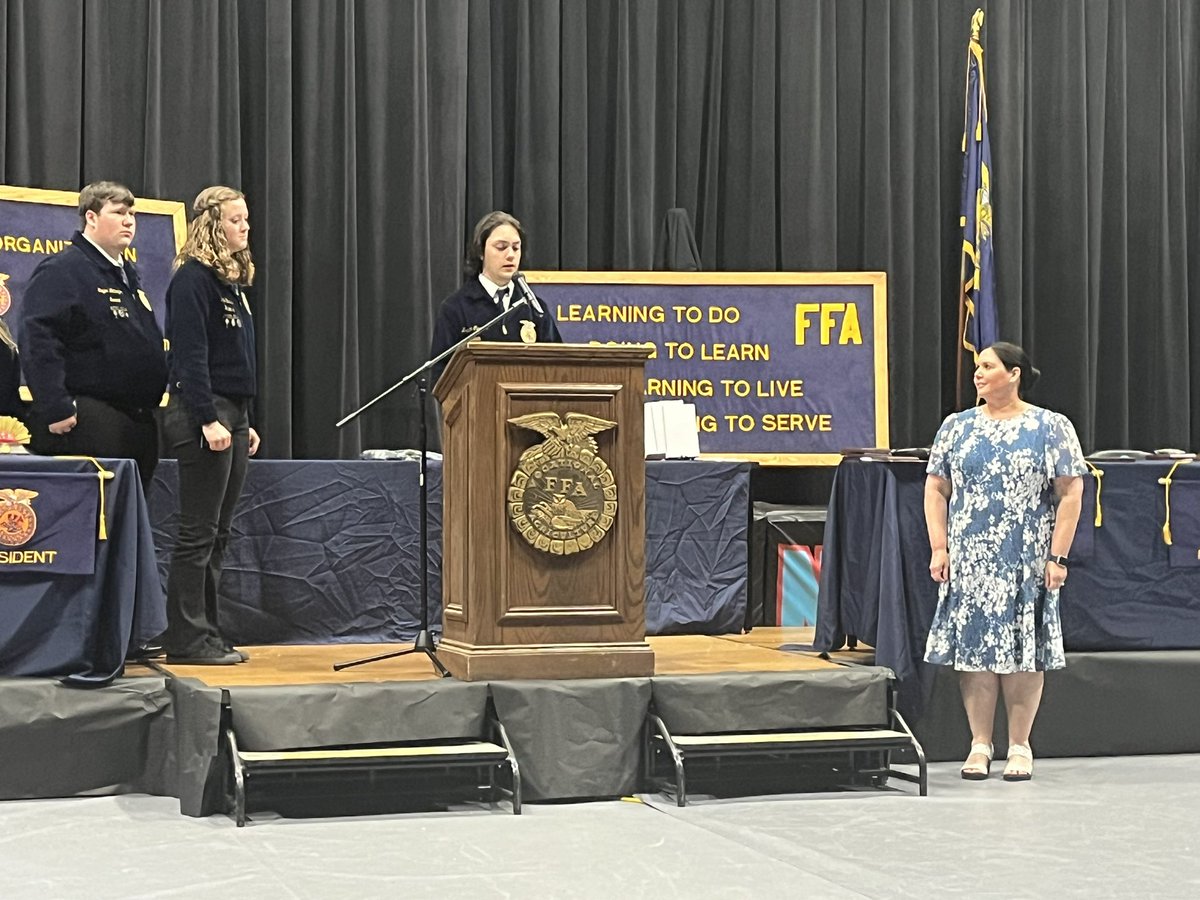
x: 543, y: 528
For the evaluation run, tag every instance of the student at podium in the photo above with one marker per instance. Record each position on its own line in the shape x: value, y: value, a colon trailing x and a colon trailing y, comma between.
x: 492, y: 264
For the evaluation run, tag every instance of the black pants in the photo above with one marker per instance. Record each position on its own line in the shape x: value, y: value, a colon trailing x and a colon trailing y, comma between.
x: 210, y: 483
x: 103, y: 429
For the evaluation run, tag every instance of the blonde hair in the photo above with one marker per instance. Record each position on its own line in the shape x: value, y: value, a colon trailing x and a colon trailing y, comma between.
x: 6, y: 337
x: 206, y: 238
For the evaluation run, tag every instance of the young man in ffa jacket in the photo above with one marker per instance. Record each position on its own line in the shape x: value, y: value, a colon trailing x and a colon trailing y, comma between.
x: 91, y: 350
x: 493, y: 259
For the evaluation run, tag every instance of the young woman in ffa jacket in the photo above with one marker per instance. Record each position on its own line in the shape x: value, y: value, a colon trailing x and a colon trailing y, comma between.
x: 208, y: 423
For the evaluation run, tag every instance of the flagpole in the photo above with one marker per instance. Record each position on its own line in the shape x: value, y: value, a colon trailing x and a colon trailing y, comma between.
x: 960, y: 333
x: 962, y: 327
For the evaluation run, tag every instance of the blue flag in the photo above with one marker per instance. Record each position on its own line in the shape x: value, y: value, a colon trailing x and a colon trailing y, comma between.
x: 978, y: 291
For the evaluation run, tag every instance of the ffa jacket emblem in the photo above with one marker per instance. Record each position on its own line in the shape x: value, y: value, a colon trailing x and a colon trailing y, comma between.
x: 5, y: 296
x: 562, y: 497
x: 528, y: 332
x: 18, y: 522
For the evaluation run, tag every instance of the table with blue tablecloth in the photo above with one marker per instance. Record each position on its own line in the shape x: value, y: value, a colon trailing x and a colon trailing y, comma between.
x: 80, y: 626
x: 328, y: 550
x: 1127, y: 590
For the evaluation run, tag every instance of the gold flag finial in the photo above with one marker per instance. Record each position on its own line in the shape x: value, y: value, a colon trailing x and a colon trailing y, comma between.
x: 976, y: 24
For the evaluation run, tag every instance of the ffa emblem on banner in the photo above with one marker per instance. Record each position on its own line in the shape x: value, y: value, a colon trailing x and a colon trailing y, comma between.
x: 18, y: 522
x: 5, y: 296
x: 528, y: 332
x: 562, y: 497
x: 60, y: 539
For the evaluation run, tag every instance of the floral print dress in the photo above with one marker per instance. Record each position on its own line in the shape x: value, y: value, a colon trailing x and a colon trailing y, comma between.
x: 995, y: 614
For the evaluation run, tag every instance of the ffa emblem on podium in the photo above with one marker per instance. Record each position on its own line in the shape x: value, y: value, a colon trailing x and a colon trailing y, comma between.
x: 18, y: 522
x: 562, y: 497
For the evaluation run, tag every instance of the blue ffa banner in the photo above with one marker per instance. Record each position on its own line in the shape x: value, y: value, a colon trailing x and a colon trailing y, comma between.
x: 35, y: 224
x: 784, y: 368
x: 981, y: 328
x: 48, y: 523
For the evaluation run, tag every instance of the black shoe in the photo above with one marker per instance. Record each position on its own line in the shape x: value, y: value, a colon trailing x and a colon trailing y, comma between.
x: 229, y: 648
x: 151, y: 649
x: 208, y: 656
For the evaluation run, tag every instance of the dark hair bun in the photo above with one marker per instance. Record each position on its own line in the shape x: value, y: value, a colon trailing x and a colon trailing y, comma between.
x: 1013, y: 357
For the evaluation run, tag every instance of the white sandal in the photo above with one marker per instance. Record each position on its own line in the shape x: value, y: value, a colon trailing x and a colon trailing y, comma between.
x: 974, y: 771
x: 1020, y: 763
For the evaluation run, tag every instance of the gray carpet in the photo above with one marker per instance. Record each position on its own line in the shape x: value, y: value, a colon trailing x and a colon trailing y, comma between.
x: 1113, y: 827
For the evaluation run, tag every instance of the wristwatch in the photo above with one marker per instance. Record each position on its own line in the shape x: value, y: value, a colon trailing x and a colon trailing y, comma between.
x: 1059, y: 560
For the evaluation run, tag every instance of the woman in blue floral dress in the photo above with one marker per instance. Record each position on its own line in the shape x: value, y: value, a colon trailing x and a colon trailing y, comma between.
x: 1002, y: 500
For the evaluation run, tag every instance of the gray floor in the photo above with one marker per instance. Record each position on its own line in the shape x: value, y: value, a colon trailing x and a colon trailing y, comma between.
x: 1116, y: 827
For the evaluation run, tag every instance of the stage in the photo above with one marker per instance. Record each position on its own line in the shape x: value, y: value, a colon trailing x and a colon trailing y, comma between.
x: 278, y: 665
x: 157, y: 732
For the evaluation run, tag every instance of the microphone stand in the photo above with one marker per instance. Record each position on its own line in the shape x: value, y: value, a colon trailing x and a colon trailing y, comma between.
x: 424, y: 640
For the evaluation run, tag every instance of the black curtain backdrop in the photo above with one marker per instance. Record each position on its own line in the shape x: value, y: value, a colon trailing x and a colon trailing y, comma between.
x: 798, y: 134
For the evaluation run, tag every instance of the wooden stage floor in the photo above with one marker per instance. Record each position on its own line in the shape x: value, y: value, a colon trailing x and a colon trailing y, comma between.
x: 756, y: 651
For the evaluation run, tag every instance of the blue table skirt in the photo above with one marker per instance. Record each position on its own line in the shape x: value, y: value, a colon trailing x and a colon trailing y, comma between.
x: 328, y: 550
x: 1123, y: 593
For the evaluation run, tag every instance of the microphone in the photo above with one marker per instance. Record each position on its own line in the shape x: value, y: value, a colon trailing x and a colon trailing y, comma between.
x: 528, y: 292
